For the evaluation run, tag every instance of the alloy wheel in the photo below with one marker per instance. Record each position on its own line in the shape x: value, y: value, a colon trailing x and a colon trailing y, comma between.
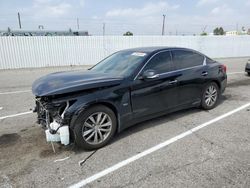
x: 211, y: 95
x: 97, y: 128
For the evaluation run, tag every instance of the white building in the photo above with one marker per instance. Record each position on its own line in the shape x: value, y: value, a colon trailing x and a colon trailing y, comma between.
x: 229, y: 33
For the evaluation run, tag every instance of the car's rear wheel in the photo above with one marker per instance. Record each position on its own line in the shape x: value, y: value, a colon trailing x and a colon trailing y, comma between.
x: 95, y: 127
x: 210, y: 96
x: 248, y: 73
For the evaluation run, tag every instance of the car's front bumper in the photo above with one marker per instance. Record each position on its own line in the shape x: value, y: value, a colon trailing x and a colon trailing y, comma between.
x: 55, y: 130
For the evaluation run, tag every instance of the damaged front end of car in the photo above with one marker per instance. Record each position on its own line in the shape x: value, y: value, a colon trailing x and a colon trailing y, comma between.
x: 51, y: 116
x: 61, y: 97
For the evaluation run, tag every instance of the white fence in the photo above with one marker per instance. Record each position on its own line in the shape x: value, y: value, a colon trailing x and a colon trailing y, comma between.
x: 24, y: 52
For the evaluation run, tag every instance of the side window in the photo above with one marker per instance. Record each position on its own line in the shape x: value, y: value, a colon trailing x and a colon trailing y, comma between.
x: 185, y: 59
x: 161, y: 62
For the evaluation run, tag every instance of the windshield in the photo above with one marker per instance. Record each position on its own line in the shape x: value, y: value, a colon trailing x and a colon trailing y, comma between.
x: 121, y: 63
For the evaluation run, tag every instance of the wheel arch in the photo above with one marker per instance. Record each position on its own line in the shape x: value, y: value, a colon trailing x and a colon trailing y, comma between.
x: 90, y: 105
x: 217, y: 82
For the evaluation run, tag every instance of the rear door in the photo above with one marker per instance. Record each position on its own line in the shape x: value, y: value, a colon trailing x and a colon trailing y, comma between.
x: 193, y: 74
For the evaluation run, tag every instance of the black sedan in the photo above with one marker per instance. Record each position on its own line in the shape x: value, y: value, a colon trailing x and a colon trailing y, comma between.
x: 130, y: 86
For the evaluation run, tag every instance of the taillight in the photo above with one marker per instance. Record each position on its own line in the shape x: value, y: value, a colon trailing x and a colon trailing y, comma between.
x: 224, y: 68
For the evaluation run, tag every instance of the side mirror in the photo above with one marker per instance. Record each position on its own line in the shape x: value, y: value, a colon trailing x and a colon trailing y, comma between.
x: 150, y: 74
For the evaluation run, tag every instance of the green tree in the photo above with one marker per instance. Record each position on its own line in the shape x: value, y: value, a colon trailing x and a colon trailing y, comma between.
x: 128, y: 33
x: 219, y: 31
x: 203, y: 34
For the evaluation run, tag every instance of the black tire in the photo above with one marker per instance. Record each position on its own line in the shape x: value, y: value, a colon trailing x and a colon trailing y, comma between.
x: 79, y: 127
x: 248, y: 73
x: 204, y: 104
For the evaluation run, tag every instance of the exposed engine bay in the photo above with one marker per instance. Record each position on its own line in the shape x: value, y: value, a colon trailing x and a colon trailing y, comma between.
x: 51, y: 118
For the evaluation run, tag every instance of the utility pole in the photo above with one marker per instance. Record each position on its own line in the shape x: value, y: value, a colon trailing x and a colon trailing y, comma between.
x: 19, y: 20
x: 77, y: 22
x: 163, y: 25
x: 103, y: 29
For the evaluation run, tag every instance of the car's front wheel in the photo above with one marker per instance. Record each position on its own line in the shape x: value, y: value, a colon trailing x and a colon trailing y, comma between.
x: 210, y: 96
x: 95, y: 127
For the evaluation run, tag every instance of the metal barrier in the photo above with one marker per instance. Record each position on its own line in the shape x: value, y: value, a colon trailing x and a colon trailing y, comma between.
x: 42, y: 51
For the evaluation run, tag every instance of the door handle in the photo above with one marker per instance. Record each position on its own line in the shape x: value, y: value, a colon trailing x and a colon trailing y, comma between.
x: 205, y: 73
x: 173, y: 82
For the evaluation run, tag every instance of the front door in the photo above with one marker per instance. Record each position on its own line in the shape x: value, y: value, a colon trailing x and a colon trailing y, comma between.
x: 150, y: 96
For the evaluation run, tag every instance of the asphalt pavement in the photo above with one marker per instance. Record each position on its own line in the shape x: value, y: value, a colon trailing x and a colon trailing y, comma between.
x: 215, y: 155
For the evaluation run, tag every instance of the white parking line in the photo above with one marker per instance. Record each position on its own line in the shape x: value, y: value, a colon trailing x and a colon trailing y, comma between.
x: 230, y: 73
x: 15, y: 115
x: 14, y: 92
x: 60, y: 160
x: 153, y: 149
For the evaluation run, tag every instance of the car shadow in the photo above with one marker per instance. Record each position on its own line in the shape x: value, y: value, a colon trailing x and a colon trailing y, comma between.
x: 167, y: 118
x: 142, y: 126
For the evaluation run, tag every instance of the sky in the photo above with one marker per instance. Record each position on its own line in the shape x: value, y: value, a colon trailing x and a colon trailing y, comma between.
x: 141, y: 17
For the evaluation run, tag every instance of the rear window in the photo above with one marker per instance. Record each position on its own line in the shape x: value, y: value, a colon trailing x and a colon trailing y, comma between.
x: 209, y: 61
x: 186, y: 59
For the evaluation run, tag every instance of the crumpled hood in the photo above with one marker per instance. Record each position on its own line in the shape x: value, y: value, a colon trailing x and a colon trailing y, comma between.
x: 72, y: 81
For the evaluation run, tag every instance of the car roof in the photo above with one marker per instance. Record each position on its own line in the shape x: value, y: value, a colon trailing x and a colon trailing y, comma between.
x: 154, y: 49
